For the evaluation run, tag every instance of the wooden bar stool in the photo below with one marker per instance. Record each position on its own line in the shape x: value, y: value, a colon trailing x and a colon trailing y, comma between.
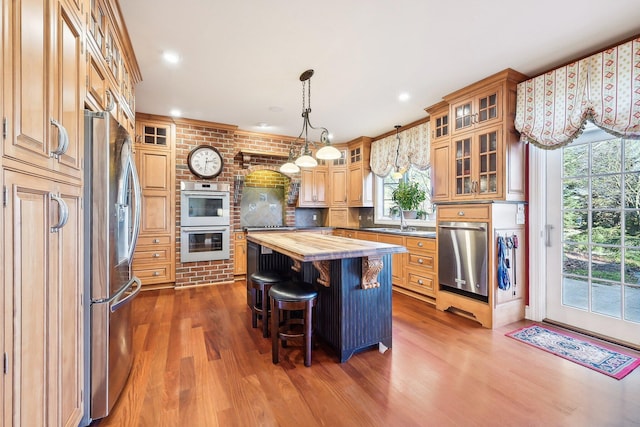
x: 260, y: 283
x: 290, y: 296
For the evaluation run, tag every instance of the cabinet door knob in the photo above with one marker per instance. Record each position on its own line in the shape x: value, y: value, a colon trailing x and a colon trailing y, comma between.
x: 420, y: 244
x: 156, y: 273
x: 156, y: 255
x: 420, y: 282
x: 460, y: 213
x: 420, y: 261
x: 156, y: 240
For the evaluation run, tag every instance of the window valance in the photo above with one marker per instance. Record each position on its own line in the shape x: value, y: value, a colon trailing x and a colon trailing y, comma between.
x: 414, y: 150
x: 604, y: 88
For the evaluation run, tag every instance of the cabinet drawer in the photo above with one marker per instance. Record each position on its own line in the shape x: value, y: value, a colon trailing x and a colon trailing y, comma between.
x: 154, y: 253
x: 457, y: 213
x: 154, y: 240
x: 426, y: 262
x: 422, y: 283
x: 421, y: 244
x: 152, y: 273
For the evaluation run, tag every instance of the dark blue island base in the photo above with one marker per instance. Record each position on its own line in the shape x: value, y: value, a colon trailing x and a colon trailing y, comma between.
x: 348, y: 317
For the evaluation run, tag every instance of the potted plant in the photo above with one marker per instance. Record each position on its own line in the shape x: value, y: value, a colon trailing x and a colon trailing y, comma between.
x: 408, y: 196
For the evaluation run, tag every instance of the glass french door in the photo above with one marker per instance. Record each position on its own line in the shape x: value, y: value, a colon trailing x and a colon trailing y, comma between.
x: 593, y: 235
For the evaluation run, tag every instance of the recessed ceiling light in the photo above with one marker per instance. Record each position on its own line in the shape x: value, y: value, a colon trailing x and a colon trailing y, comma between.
x: 403, y: 97
x: 171, y: 57
x: 176, y: 113
x: 263, y: 125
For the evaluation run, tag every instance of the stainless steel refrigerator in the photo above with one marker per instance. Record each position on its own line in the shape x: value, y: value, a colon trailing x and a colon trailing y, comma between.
x: 112, y: 222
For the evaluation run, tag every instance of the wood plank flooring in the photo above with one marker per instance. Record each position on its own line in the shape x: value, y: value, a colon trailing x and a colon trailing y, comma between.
x: 198, y: 362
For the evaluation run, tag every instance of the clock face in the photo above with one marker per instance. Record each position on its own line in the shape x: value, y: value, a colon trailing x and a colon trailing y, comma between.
x: 205, y: 162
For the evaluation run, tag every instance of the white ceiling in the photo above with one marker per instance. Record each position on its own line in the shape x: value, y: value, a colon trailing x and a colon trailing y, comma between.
x: 241, y: 59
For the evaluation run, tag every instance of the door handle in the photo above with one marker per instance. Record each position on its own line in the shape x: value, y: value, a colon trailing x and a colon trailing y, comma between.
x: 547, y: 235
x: 63, y: 213
x: 63, y: 139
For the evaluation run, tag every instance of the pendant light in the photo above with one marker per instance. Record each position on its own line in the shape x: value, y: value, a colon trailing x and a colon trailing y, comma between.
x: 397, y: 173
x: 326, y: 152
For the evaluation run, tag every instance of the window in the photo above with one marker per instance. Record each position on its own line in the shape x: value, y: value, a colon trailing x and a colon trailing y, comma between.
x: 384, y: 204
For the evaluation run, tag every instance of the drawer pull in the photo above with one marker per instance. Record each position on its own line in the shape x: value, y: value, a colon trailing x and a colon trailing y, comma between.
x: 420, y: 261
x: 156, y: 240
x: 156, y: 255
x: 156, y: 273
x: 420, y: 244
x: 420, y: 282
x: 460, y: 213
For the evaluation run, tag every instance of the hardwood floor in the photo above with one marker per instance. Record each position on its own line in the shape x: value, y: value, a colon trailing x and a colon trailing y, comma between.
x: 200, y: 363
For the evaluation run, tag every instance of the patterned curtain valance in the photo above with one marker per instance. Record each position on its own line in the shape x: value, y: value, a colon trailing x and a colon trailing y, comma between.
x: 604, y: 88
x: 414, y: 150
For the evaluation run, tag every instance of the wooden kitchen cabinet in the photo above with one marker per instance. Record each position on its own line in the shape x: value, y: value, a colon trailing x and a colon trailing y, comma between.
x: 482, y: 158
x: 112, y: 69
x: 42, y: 112
x: 397, y: 260
x: 314, y: 187
x: 360, y: 178
x: 338, y: 173
x: 43, y: 148
x: 420, y: 273
x: 154, y: 261
x: 502, y: 306
x: 439, y: 118
x: 477, y: 109
x: 43, y: 315
x: 240, y: 254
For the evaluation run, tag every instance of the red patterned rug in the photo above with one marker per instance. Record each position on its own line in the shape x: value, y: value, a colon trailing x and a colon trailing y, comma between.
x: 578, y: 349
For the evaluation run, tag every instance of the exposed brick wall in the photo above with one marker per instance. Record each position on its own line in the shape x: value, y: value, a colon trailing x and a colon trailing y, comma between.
x: 229, y: 142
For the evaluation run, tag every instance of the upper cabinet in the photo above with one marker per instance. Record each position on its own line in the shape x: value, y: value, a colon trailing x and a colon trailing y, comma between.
x: 314, y: 186
x: 477, y: 109
x: 360, y: 177
x: 338, y: 177
x: 476, y: 152
x: 112, y: 71
x: 440, y: 126
x: 44, y: 87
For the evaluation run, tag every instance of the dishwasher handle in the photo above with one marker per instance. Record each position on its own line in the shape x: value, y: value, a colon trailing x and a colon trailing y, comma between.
x: 465, y: 227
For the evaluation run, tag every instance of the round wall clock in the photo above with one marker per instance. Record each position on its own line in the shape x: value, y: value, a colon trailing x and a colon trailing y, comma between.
x: 205, y: 162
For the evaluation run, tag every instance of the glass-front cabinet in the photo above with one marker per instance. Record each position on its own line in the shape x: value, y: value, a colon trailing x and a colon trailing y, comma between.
x: 480, y: 110
x: 476, y: 165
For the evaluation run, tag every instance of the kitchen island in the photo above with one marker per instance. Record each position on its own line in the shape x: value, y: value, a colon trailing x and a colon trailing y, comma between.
x: 353, y: 278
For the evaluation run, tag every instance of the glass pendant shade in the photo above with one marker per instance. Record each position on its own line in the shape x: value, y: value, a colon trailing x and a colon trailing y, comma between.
x: 289, y: 167
x: 306, y: 161
x: 397, y: 174
x: 328, y: 152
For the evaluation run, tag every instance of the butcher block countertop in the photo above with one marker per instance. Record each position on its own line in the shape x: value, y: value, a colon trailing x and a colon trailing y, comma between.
x: 308, y: 246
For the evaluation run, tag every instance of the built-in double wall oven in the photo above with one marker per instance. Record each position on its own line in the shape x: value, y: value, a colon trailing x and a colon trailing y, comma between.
x: 204, y: 221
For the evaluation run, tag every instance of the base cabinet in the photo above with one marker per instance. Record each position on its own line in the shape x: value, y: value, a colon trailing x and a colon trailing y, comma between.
x: 413, y: 273
x: 502, y: 306
x: 240, y: 254
x: 43, y: 328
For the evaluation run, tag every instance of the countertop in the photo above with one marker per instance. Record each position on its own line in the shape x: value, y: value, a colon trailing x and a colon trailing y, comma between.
x: 308, y: 246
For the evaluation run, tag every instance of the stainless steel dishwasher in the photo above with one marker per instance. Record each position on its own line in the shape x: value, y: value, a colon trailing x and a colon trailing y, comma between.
x: 462, y: 258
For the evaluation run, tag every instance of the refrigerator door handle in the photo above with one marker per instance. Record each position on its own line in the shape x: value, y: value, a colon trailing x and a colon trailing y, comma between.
x: 119, y: 292
x: 137, y: 192
x: 117, y: 302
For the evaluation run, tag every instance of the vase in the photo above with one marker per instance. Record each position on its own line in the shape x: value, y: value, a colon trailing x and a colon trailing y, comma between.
x: 410, y: 214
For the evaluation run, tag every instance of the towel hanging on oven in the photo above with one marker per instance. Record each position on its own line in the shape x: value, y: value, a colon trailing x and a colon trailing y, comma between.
x: 504, y: 282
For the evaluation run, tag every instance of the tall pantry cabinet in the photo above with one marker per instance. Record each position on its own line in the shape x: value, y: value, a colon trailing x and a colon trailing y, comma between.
x: 43, y: 53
